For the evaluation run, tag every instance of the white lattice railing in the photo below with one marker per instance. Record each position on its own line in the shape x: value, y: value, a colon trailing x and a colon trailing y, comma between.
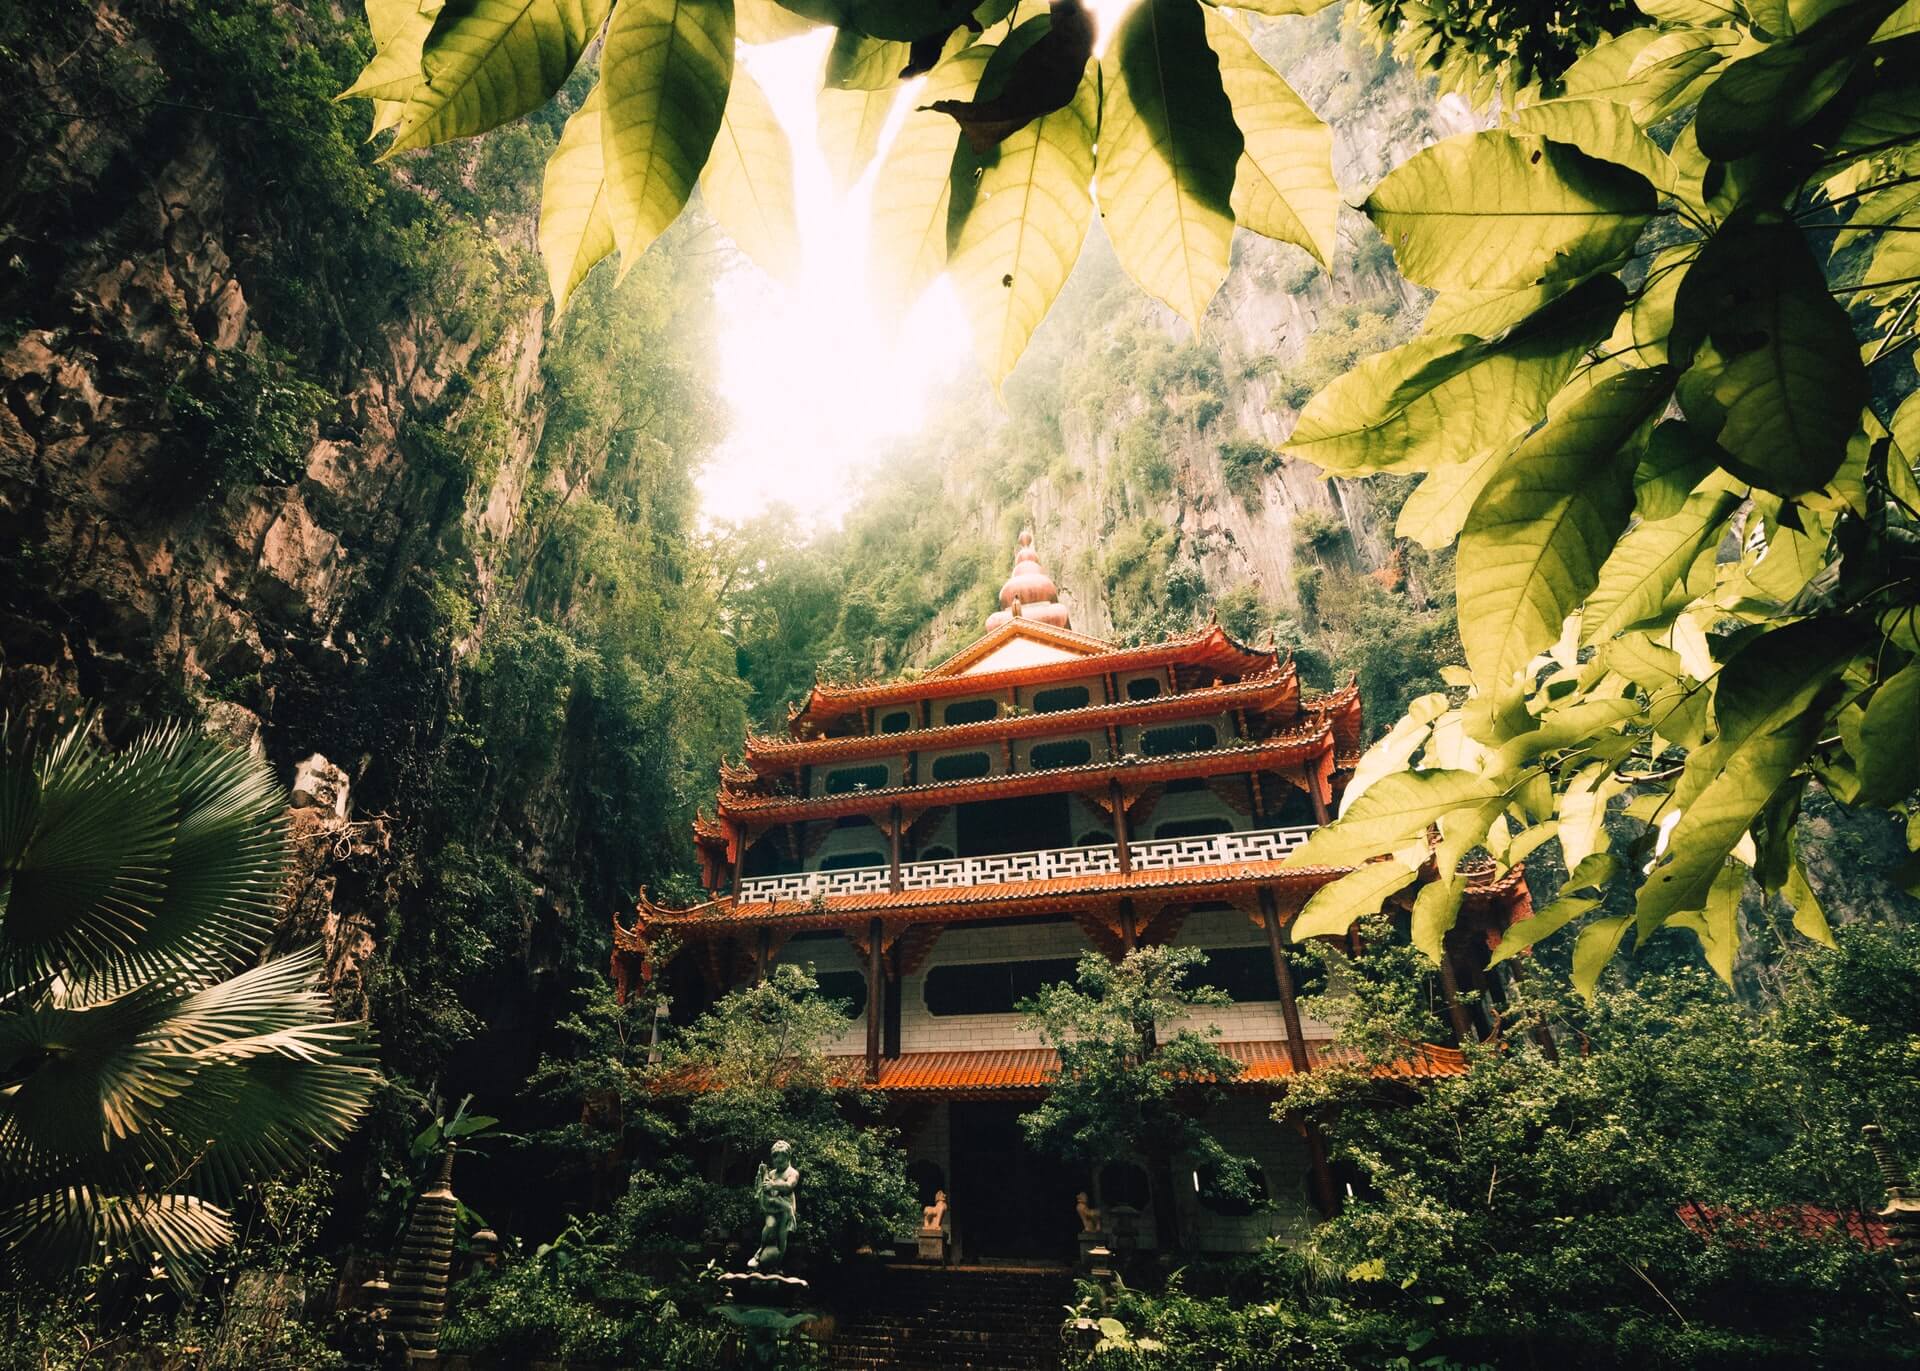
x: 1159, y: 854
x: 1261, y: 845
x: 1011, y: 866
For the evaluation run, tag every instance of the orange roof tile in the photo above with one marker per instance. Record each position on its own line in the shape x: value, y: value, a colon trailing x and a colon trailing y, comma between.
x: 1210, y: 646
x: 1270, y: 691
x: 1288, y: 749
x: 1029, y: 1070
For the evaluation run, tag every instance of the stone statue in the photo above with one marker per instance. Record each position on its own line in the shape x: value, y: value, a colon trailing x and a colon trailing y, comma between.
x: 934, y: 1216
x: 777, y: 1190
x: 1089, y: 1216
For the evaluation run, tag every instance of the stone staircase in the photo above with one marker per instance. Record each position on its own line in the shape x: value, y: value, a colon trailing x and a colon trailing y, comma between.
x: 977, y: 1318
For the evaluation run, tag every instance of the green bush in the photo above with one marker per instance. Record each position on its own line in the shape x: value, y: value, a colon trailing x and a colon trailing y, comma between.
x: 243, y: 419
x: 1245, y: 463
x: 1320, y: 532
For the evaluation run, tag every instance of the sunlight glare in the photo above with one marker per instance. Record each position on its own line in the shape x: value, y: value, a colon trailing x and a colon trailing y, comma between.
x: 817, y: 380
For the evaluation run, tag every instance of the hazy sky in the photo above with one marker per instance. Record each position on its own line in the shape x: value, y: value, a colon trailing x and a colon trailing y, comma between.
x: 819, y: 377
x: 816, y: 377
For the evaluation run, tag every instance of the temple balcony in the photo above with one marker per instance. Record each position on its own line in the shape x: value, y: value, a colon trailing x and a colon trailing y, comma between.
x: 1156, y: 854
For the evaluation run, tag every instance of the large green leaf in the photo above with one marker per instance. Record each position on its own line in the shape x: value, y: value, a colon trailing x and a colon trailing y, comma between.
x: 1168, y: 152
x: 1602, y: 129
x: 1333, y: 908
x: 665, y: 71
x: 1284, y: 186
x: 400, y: 29
x: 1392, y: 752
x: 1669, y: 74
x: 913, y: 188
x: 1593, y: 873
x: 488, y: 61
x: 1491, y: 211
x: 576, y: 229
x: 1768, y: 721
x: 1651, y: 559
x: 1776, y: 375
x: 1677, y: 460
x: 1536, y: 539
x: 857, y: 62
x: 748, y: 181
x: 1394, y: 810
x: 1717, y: 922
x: 1889, y: 758
x: 1443, y: 399
x: 850, y: 124
x: 1757, y: 101
x: 1019, y: 241
x: 1593, y: 949
x: 768, y: 21
x: 1437, y: 510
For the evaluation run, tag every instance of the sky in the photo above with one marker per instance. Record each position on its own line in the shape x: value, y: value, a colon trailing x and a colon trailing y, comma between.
x: 817, y: 380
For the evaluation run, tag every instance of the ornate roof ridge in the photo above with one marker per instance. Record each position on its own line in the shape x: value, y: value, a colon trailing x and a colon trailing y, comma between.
x: 1276, y: 676
x: 1235, y: 749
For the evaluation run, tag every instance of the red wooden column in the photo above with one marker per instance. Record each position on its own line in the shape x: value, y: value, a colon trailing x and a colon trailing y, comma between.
x: 1324, y: 1192
x: 893, y: 849
x: 1119, y: 803
x: 876, y: 991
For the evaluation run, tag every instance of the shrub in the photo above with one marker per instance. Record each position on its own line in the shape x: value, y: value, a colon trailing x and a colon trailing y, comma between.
x: 1319, y: 531
x: 1244, y: 464
x: 243, y: 418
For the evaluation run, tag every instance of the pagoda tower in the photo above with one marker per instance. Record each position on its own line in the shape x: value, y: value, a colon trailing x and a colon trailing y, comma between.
x: 938, y: 848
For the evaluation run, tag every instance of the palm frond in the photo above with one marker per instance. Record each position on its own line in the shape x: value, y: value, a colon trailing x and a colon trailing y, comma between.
x: 65, y: 1228
x: 86, y: 842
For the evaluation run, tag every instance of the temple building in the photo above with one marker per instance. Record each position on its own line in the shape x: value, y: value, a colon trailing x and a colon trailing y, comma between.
x: 938, y: 847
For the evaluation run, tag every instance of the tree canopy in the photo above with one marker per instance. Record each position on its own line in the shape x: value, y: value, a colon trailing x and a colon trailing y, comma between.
x: 992, y: 176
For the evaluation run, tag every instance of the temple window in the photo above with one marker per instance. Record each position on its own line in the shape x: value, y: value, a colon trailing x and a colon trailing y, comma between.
x: 1192, y: 828
x: 1143, y: 688
x: 991, y: 987
x: 1214, y: 1197
x: 961, y: 766
x: 1161, y: 742
x: 970, y: 711
x: 848, y: 986
x: 897, y: 722
x: 851, y: 861
x: 937, y: 853
x: 1186, y: 785
x: 1245, y: 974
x: 1060, y: 697
x: 1064, y: 752
x: 1094, y: 838
x: 849, y: 778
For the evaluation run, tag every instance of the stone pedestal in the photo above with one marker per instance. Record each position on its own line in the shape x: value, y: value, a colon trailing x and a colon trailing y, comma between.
x: 933, y: 1245
x: 1095, y: 1250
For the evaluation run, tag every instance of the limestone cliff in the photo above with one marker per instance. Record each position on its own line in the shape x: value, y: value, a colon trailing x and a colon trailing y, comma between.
x: 279, y: 452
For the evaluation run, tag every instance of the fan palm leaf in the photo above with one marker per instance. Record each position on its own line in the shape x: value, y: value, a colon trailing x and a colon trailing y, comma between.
x: 151, y: 1066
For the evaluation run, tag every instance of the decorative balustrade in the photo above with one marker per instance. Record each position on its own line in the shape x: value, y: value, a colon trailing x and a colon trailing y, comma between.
x: 1159, y: 854
x: 1214, y: 849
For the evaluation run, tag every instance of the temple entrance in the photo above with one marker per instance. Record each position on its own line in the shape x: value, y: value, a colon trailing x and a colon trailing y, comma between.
x: 1027, y: 823
x: 1012, y: 1204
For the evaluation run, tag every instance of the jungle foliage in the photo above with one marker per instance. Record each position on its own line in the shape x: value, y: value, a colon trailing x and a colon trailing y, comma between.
x: 1685, y: 461
x: 1697, y: 1209
x: 991, y: 178
x: 153, y: 1065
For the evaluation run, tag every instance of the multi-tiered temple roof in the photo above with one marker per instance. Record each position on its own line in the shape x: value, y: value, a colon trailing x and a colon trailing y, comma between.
x: 952, y: 779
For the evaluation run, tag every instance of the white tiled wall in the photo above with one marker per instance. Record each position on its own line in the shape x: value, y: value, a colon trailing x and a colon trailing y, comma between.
x: 921, y: 1031
x: 1190, y: 804
x: 1245, y: 1129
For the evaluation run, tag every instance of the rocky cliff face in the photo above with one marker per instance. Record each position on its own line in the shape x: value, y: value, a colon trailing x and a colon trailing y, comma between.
x: 277, y: 455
